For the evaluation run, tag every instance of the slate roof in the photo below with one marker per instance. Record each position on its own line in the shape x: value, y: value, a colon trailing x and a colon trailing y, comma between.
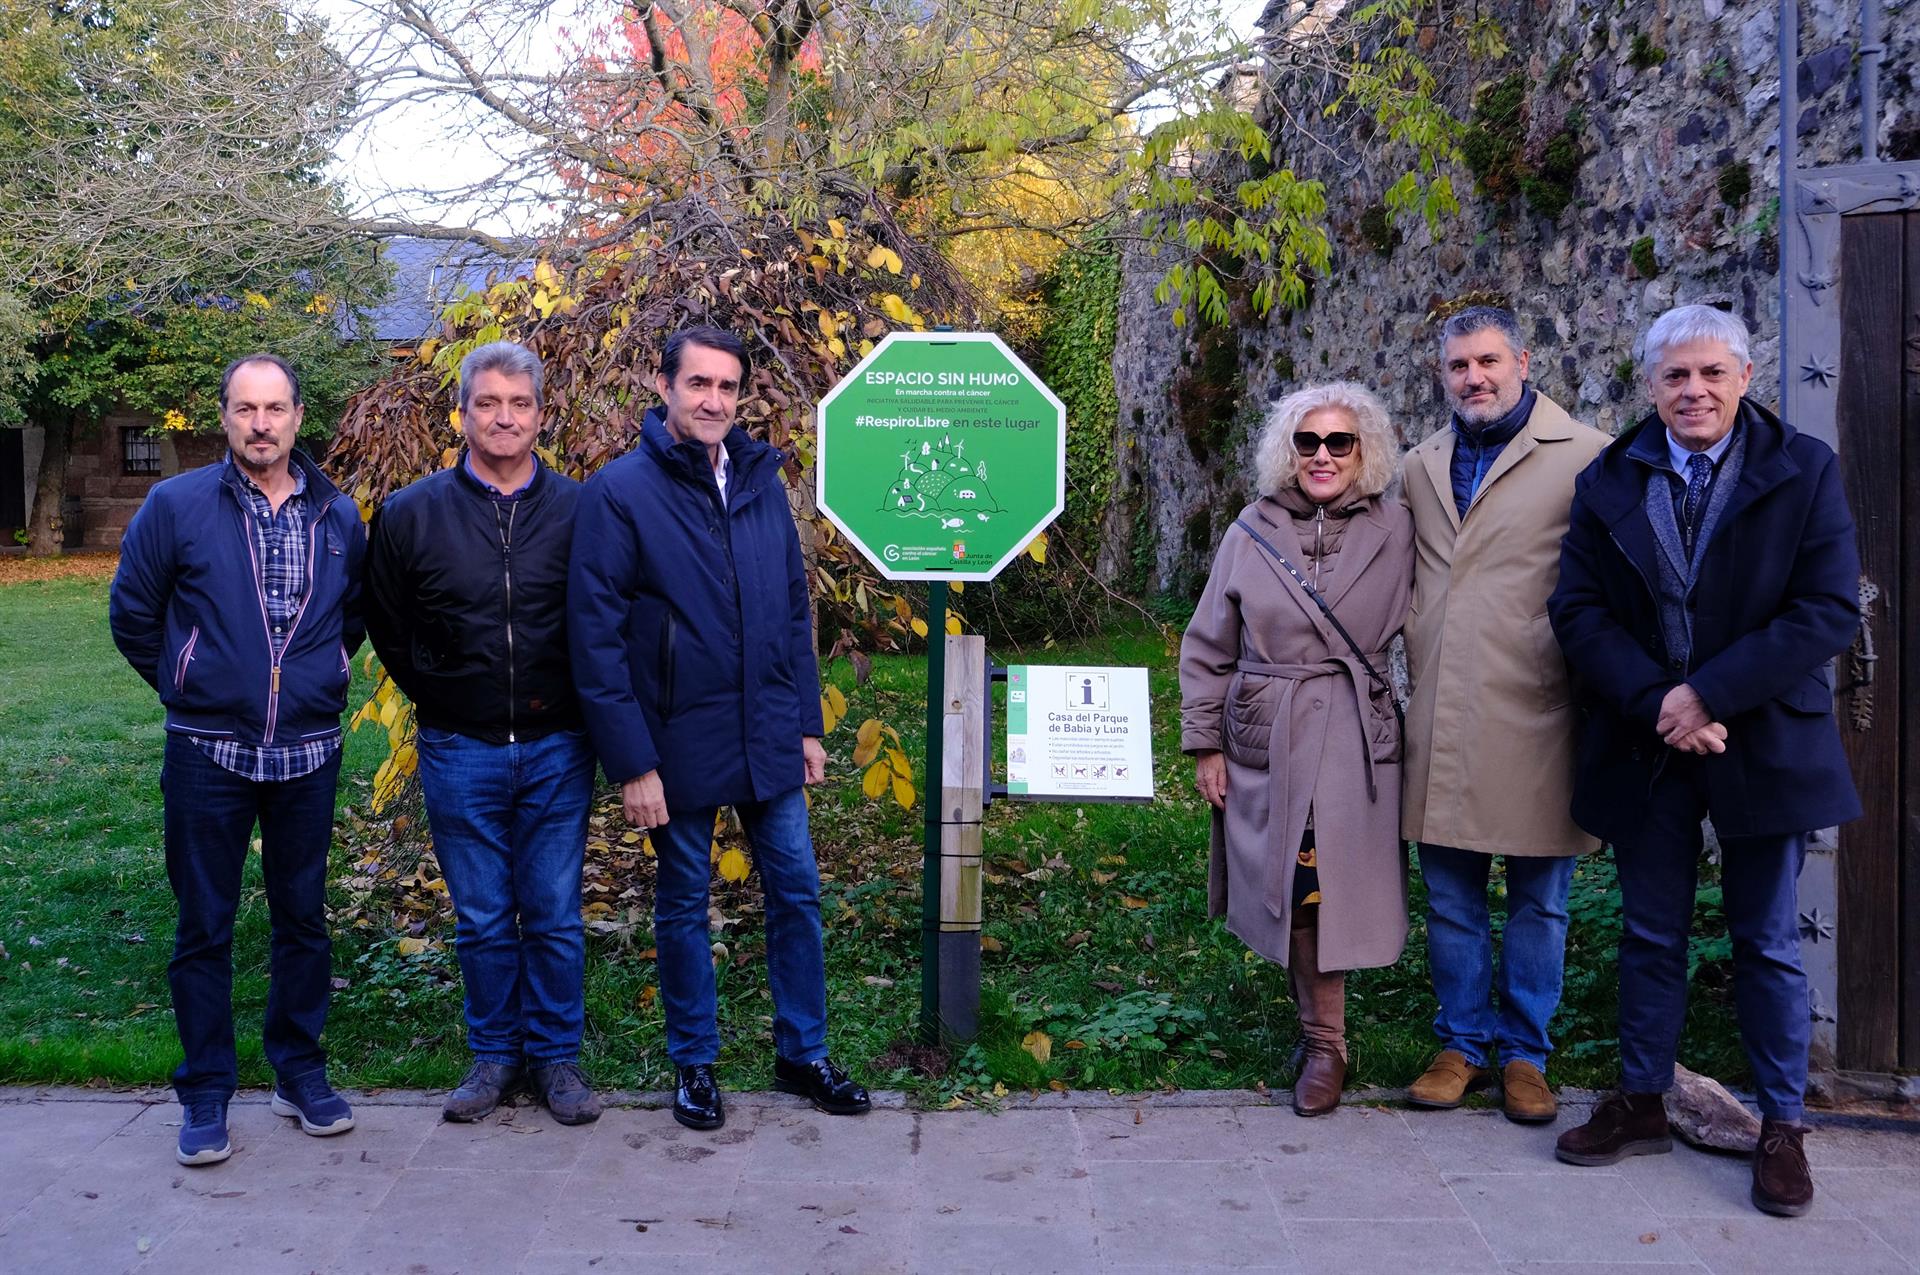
x: 427, y: 274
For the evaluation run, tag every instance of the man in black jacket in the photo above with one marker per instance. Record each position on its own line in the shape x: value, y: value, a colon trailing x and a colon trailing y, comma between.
x: 1706, y: 581
x: 466, y: 605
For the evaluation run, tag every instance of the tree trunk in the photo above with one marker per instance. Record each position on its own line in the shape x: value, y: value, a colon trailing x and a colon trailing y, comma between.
x: 44, y: 525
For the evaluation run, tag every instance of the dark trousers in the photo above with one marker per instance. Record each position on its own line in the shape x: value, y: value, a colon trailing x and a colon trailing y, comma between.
x: 210, y: 816
x: 1759, y: 879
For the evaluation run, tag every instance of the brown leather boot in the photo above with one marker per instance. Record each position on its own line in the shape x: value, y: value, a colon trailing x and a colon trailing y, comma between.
x: 1322, y: 998
x: 1623, y: 1124
x: 1782, y: 1182
x: 1447, y: 1079
x: 1524, y: 1095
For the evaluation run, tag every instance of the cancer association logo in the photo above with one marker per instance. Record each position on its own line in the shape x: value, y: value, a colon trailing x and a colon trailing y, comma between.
x: 937, y: 480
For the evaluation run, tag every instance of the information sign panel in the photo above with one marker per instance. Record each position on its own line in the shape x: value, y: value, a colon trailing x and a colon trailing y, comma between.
x: 941, y: 455
x: 1077, y: 732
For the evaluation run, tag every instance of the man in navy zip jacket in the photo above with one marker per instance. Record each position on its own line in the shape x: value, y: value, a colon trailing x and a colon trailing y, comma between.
x: 238, y: 599
x: 1706, y: 581
x: 466, y: 604
x: 693, y: 654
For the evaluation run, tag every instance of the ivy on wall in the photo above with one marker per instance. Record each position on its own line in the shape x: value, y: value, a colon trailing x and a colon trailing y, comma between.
x: 1076, y: 354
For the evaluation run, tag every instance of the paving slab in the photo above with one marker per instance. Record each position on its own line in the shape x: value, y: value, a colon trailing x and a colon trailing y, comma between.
x: 1735, y: 1246
x: 1563, y: 1217
x: 1096, y: 1183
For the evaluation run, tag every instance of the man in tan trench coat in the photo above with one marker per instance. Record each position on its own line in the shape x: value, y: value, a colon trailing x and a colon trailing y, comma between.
x: 1490, y: 730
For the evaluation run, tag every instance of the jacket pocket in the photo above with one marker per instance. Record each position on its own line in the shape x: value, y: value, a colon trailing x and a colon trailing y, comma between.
x: 1812, y: 694
x: 186, y: 658
x: 670, y: 630
x: 1248, y: 737
x: 1383, y: 726
x: 1555, y: 686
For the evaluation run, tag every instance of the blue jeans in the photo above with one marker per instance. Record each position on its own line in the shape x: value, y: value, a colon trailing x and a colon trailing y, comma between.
x: 796, y: 965
x: 1759, y: 879
x: 510, y: 828
x: 1460, y: 952
x: 209, y: 817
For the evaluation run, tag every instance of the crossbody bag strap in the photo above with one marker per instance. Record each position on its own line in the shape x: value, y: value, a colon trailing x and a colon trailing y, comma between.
x: 1399, y: 713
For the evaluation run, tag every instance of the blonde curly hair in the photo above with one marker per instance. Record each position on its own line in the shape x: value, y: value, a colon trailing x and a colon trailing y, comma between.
x: 1277, y: 465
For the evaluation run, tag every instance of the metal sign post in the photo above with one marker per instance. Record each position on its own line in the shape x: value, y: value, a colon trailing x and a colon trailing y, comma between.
x: 941, y: 456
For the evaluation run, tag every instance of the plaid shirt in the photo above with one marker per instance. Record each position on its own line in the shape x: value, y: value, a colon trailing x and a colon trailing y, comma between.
x: 279, y: 543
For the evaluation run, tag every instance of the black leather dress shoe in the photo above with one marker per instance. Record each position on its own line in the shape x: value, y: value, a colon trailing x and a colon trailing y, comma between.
x: 696, y: 1098
x: 823, y: 1084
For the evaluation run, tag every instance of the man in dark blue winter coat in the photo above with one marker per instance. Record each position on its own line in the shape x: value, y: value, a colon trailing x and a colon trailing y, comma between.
x: 1706, y: 582
x: 693, y: 656
x: 238, y: 599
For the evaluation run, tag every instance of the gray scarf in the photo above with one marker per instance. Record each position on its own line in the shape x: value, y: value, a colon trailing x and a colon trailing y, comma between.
x: 1677, y: 573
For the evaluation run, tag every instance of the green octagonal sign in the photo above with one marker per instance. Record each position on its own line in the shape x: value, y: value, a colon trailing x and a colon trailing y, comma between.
x: 941, y: 455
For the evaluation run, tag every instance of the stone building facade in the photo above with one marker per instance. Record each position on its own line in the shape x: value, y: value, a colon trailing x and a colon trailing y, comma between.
x: 1673, y: 111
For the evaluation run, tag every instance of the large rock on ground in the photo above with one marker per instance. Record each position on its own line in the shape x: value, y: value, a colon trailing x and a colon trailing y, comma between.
x: 1705, y: 1115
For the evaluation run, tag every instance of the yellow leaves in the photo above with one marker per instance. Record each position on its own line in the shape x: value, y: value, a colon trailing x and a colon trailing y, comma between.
x: 1039, y: 1045
x: 546, y: 276
x: 454, y: 416
x: 829, y: 326
x: 1133, y: 901
x: 427, y: 349
x: 991, y: 944
x: 257, y: 300
x: 899, y: 311
x: 837, y: 227
x: 919, y: 626
x: 1037, y: 548
x: 448, y: 457
x: 833, y: 707
x: 953, y: 625
x: 320, y: 304
x: 883, y: 258
x: 733, y: 865
x: 411, y: 946
x: 891, y: 772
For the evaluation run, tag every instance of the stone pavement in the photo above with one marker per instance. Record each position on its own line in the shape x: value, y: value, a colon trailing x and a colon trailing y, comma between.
x: 1187, y: 1182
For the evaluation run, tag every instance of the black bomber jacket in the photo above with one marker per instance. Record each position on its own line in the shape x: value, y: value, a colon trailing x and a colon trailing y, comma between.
x: 466, y: 602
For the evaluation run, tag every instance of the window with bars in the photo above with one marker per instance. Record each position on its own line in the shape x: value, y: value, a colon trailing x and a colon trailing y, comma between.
x: 139, y: 452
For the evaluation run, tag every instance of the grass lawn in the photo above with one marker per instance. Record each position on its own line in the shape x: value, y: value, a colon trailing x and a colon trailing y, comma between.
x: 1096, y: 928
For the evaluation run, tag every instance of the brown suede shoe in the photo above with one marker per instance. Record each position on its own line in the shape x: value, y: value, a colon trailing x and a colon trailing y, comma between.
x: 1322, y: 1076
x: 1448, y: 1079
x: 1623, y: 1124
x: 1782, y: 1183
x: 1524, y: 1094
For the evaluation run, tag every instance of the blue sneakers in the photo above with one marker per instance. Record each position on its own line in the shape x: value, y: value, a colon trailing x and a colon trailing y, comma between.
x: 320, y: 1110
x: 203, y: 1131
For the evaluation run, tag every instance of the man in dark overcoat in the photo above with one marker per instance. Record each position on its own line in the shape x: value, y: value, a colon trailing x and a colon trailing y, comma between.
x: 693, y: 655
x: 1707, y: 579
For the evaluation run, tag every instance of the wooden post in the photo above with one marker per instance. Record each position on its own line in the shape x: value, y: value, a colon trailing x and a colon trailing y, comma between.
x: 962, y: 798
x: 930, y: 855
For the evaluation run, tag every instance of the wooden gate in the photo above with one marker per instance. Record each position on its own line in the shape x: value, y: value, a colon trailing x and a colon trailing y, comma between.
x: 1878, y: 414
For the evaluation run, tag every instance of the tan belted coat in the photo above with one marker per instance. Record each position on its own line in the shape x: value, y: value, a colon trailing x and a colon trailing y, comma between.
x: 1490, y: 728
x: 1265, y: 679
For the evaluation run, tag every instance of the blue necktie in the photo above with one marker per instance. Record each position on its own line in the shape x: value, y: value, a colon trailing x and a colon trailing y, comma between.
x: 1699, y: 476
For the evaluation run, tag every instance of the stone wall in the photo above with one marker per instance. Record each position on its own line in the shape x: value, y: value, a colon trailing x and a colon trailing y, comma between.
x: 1674, y: 107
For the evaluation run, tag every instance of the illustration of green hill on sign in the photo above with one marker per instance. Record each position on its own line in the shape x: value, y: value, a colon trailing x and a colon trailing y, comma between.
x: 937, y: 480
x: 941, y: 455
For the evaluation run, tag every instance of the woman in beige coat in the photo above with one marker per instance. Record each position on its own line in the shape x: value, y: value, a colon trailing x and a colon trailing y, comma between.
x: 1296, y: 745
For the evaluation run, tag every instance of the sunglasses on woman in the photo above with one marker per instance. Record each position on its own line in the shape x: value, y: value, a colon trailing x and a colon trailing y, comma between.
x: 1306, y: 443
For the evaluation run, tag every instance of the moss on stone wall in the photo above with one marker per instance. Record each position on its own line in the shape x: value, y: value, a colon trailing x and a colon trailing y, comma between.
x: 1642, y: 256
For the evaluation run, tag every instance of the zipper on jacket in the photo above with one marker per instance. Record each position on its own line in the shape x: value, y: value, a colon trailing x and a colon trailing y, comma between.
x: 505, y: 528
x: 186, y: 658
x: 260, y: 593
x: 1319, y: 526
